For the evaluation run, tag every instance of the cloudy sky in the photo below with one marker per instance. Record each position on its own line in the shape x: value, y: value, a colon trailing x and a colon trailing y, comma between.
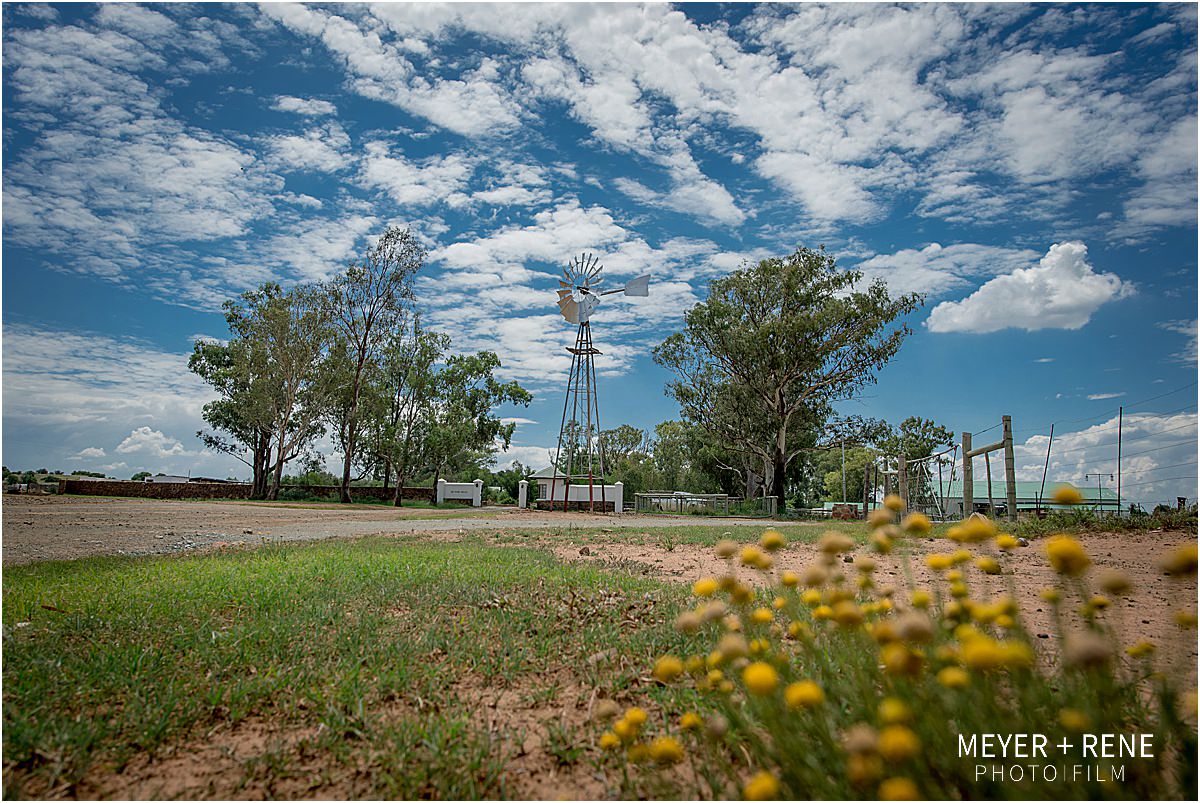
x: 1032, y: 170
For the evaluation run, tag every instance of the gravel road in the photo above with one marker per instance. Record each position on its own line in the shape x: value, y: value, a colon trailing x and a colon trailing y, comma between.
x: 64, y: 527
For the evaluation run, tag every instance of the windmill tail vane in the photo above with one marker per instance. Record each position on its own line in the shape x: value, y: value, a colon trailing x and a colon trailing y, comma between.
x: 579, y: 456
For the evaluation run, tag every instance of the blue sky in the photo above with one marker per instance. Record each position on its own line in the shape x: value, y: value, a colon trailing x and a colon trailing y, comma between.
x: 1032, y: 169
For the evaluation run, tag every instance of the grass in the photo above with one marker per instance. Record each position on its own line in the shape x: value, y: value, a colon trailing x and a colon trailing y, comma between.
x: 124, y: 655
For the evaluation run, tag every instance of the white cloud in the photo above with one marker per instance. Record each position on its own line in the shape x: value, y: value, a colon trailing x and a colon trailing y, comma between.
x: 151, y: 442
x: 1061, y: 292
x: 535, y: 457
x: 137, y: 21
x: 423, y: 182
x: 322, y: 149
x: 517, y: 420
x: 1100, y: 396
x: 936, y: 269
x: 89, y: 453
x: 309, y: 107
x: 1188, y: 329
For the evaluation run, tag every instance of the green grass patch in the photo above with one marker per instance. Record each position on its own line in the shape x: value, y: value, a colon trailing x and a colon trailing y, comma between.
x: 123, y: 655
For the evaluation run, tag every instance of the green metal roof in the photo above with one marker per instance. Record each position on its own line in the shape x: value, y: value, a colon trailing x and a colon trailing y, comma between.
x: 1028, y: 491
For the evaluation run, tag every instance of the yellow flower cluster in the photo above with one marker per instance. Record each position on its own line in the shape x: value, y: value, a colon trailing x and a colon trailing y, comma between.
x: 766, y: 666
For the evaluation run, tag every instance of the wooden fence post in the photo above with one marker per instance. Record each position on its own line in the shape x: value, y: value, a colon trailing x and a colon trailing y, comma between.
x: 1010, y: 469
x: 968, y: 489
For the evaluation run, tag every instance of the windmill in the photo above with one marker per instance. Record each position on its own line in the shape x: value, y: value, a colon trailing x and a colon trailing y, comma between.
x: 578, y: 435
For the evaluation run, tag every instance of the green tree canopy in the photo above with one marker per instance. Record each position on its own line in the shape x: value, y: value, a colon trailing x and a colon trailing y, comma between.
x: 773, y: 345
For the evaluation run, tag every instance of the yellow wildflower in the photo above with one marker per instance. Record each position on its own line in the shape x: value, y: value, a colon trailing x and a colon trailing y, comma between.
x: 1186, y: 620
x: 1006, y: 542
x: 803, y: 694
x: 1114, y: 582
x: 898, y: 789
x: 894, y: 711
x: 609, y: 741
x: 834, y: 543
x: 917, y: 524
x: 893, y: 503
x: 779, y: 603
x: 977, y: 529
x: 1050, y: 595
x: 763, y: 786
x: 953, y: 677
x: 900, y: 660
x: 1066, y: 495
x: 988, y: 565
x: 880, y: 517
x: 636, y: 716
x: 1181, y: 562
x: 1066, y: 555
x: 847, y: 614
x: 898, y: 743
x: 938, y: 562
x: 1141, y: 649
x: 690, y: 722
x: 665, y: 750
x: 625, y: 729
x: 705, y: 587
x: 921, y: 598
x: 760, y: 678
x: 811, y: 597
x: 789, y: 579
x: 667, y: 669
x: 881, y: 543
x: 772, y: 540
x: 1075, y: 720
x: 761, y: 616
x: 822, y: 612
x: 726, y: 548
x: 638, y: 753
x: 799, y: 630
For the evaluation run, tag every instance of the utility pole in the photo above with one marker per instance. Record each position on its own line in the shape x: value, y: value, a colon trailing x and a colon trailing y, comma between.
x: 1045, y: 468
x: 968, y: 489
x: 1099, y: 489
x: 844, y: 499
x: 1120, y: 424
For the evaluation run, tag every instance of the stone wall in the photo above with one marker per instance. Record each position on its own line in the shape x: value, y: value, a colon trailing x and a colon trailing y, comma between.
x: 218, y: 490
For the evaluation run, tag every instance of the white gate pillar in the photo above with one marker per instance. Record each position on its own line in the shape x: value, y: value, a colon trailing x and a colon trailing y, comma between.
x: 523, y: 494
x: 477, y: 499
x: 441, y: 491
x: 619, y: 501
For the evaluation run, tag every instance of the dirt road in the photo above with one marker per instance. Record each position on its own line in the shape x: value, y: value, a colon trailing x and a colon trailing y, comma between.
x: 65, y: 527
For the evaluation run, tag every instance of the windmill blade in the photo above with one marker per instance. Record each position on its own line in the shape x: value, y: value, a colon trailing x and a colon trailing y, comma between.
x: 639, y: 287
x: 564, y: 294
x: 561, y: 283
x: 569, y: 309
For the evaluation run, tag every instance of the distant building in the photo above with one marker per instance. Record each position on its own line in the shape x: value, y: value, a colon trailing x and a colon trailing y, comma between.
x: 167, y: 478
x: 1030, y: 497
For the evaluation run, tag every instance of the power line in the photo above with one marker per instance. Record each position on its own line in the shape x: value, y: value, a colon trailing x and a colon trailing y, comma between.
x: 1161, y: 479
x: 1159, y: 448
x: 1094, y: 416
x: 1162, y: 468
x: 1125, y: 440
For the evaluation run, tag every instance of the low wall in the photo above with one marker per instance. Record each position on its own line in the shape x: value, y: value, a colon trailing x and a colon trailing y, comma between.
x: 156, y: 490
x: 219, y: 490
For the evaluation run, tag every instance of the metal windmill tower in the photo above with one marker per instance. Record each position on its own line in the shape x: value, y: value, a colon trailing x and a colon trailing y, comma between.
x: 579, y: 456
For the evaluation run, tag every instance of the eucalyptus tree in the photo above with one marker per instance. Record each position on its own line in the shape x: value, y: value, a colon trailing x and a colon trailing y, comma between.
x: 773, y: 345
x: 367, y: 305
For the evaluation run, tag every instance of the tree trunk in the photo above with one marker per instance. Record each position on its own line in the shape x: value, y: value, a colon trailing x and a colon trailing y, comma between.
x: 398, y: 497
x: 387, y: 472
x: 276, y: 475
x: 777, y: 477
x: 344, y: 493
x: 261, y: 468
